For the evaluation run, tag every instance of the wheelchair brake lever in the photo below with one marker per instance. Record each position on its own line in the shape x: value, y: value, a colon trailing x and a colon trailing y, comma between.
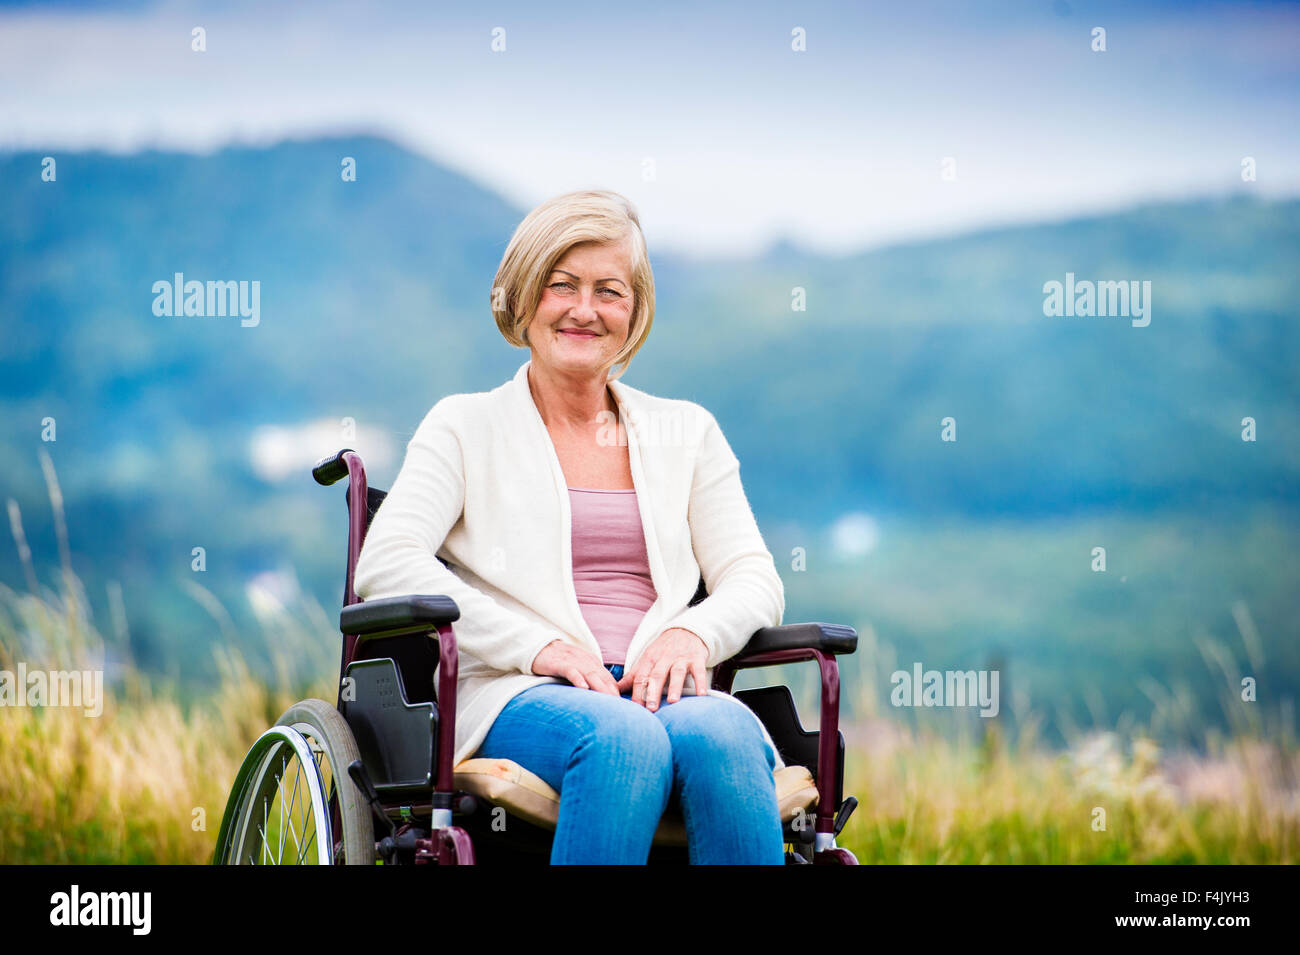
x: 846, y: 810
x: 357, y: 770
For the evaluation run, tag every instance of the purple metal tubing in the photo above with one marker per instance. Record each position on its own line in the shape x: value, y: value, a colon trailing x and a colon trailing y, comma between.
x: 455, y: 847
x: 357, y: 524
x: 828, y: 728
x: 448, y: 658
x: 443, y: 796
x: 448, y: 667
x: 358, y: 520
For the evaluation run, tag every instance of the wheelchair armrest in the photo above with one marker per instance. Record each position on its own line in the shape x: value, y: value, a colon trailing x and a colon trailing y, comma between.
x: 821, y: 642
x: 398, y: 614
x: 832, y: 638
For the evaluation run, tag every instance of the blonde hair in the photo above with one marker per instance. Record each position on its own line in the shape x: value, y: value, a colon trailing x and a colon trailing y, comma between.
x: 545, y: 236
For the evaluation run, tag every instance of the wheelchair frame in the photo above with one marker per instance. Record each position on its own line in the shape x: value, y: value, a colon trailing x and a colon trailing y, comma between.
x: 404, y: 729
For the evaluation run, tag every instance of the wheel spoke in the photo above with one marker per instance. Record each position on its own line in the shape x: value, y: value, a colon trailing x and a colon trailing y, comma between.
x: 326, y: 772
x: 286, y: 816
x: 303, y: 855
x: 319, y: 816
x: 306, y: 811
x: 297, y: 776
x: 279, y: 787
x: 266, y: 824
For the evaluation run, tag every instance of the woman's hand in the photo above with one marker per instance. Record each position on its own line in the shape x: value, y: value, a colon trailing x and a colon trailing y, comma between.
x: 674, y: 653
x: 580, y: 667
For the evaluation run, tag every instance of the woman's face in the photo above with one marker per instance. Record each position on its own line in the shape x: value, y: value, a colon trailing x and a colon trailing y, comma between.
x: 585, y: 312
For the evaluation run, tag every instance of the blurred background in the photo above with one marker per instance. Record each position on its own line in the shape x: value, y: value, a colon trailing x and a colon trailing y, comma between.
x: 852, y: 212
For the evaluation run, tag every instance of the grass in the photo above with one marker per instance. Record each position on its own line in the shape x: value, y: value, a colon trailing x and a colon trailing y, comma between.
x: 939, y: 786
x: 147, y: 781
x: 1141, y: 645
x: 1105, y: 800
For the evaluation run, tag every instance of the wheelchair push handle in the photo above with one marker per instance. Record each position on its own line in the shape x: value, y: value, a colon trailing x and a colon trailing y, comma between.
x: 328, y: 470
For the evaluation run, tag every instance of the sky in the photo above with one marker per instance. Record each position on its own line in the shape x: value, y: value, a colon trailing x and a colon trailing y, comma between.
x: 838, y: 147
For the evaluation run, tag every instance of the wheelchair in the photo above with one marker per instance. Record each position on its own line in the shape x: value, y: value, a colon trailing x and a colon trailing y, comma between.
x: 369, y: 778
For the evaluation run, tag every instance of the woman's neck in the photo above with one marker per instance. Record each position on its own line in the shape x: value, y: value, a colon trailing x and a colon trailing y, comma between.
x: 571, y: 404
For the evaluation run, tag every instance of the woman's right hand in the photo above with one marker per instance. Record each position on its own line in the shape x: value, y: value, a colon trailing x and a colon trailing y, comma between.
x: 580, y: 667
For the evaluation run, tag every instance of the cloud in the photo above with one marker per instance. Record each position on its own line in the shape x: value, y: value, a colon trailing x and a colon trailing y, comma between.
x: 287, y: 452
x: 839, y: 146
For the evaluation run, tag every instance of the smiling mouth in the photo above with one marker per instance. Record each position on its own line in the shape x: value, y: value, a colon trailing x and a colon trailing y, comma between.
x: 576, y: 334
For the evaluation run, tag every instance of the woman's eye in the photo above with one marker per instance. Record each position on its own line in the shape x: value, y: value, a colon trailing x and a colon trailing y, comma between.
x: 569, y: 286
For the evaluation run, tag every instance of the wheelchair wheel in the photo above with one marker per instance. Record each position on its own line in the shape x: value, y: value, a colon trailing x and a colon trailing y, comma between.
x: 293, y: 802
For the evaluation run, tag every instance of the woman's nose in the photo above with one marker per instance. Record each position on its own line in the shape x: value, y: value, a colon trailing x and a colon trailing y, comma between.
x: 585, y: 308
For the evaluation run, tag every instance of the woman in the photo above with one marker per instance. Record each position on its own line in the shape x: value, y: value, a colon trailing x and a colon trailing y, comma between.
x: 576, y: 515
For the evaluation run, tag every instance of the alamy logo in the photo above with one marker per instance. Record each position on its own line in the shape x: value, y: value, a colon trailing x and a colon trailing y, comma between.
x: 102, y: 908
x: 1122, y: 299
x: 946, y: 688
x: 208, y: 299
x: 72, y: 688
x: 668, y: 428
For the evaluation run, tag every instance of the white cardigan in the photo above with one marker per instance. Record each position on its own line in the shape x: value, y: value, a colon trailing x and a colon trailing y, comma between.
x: 481, y: 487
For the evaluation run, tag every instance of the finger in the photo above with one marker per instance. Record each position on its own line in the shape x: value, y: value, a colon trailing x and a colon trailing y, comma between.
x: 654, y: 689
x: 630, y: 676
x: 574, y: 676
x: 676, y: 677
x: 625, y: 681
x: 639, y: 680
x: 697, y: 674
x: 602, y: 680
x: 638, y: 687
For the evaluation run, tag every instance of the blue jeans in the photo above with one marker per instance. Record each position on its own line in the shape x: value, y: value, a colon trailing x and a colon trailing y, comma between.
x: 618, y: 766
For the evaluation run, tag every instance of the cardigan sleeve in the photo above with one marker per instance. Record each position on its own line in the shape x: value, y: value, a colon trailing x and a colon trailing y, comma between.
x: 745, y: 591
x: 399, y: 555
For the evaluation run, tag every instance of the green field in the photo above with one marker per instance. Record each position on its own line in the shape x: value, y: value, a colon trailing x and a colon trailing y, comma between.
x: 1187, y: 607
x: 146, y: 782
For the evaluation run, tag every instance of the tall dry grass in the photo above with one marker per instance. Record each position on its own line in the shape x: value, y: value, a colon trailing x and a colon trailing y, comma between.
x: 147, y: 780
x: 1204, y: 797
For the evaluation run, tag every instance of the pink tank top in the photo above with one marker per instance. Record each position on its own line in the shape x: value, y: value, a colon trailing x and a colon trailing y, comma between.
x: 611, y: 570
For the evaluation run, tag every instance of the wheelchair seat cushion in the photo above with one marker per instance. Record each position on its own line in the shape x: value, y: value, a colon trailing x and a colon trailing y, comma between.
x: 503, y: 782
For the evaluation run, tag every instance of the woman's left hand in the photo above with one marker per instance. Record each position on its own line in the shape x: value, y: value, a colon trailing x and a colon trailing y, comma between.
x: 674, y: 653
